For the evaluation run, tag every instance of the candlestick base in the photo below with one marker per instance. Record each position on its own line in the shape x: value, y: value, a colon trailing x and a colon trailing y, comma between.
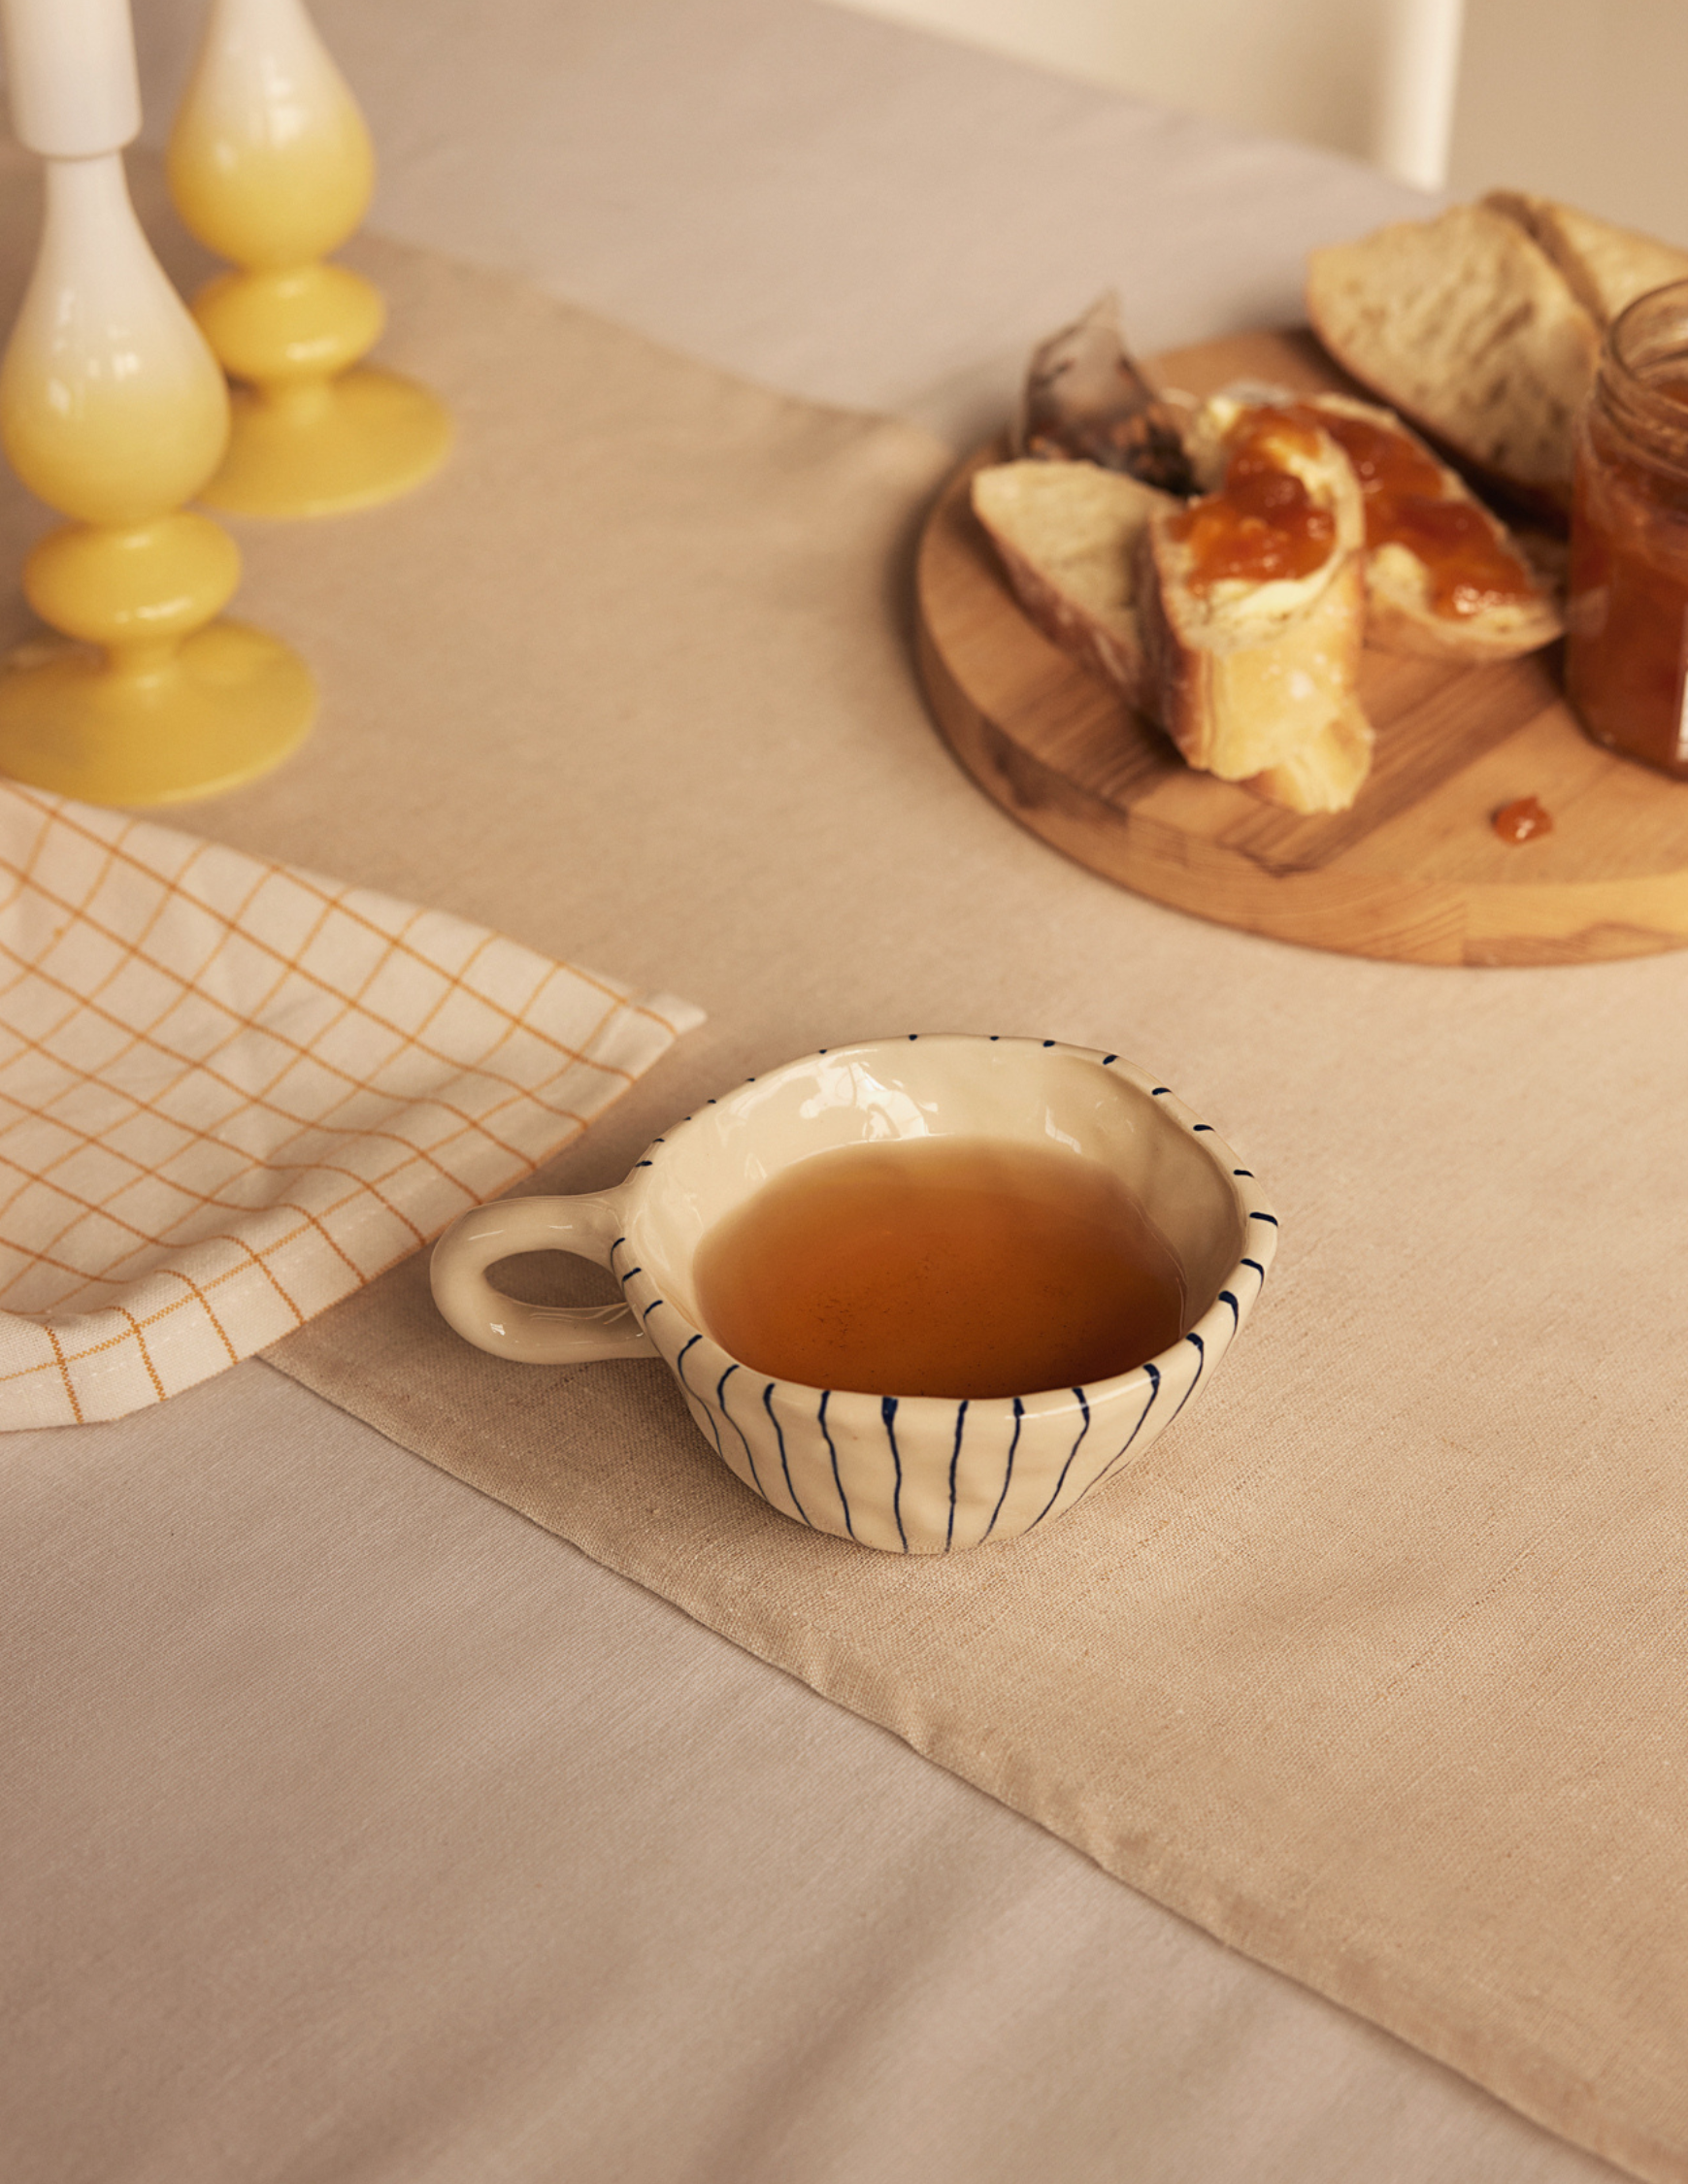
x: 226, y: 704
x: 322, y: 447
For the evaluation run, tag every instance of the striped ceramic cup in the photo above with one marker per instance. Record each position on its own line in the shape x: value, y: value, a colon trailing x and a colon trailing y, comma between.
x: 912, y: 1474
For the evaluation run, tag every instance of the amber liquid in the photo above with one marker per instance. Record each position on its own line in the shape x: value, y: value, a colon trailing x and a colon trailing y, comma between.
x: 1626, y: 664
x: 941, y: 1267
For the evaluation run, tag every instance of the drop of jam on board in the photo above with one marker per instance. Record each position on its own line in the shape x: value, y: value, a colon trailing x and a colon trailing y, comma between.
x: 1263, y: 523
x: 1470, y: 565
x: 1524, y: 819
x: 944, y: 1267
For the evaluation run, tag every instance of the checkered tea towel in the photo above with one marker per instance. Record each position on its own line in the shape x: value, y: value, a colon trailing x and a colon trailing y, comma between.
x: 231, y: 1092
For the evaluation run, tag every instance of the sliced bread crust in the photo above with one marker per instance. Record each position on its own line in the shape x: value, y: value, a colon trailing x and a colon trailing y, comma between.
x: 1400, y: 613
x: 1067, y: 534
x: 1248, y: 711
x: 1605, y: 267
x: 1465, y: 328
x: 1256, y: 682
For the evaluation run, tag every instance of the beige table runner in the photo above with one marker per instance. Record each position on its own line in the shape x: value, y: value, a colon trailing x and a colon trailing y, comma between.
x: 1376, y: 1667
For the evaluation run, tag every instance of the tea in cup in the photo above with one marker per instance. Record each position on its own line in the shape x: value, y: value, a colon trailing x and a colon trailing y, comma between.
x: 920, y: 1293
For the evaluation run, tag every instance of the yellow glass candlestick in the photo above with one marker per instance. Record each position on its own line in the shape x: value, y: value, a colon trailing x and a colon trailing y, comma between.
x: 270, y: 165
x: 112, y: 411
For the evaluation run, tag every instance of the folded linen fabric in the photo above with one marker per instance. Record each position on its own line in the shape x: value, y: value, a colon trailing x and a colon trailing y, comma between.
x: 232, y: 1092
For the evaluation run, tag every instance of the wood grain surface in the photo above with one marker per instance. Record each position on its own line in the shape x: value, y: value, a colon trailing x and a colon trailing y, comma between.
x: 1413, y: 871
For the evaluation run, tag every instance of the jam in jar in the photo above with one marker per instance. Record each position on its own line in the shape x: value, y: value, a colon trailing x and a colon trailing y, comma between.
x: 1626, y: 658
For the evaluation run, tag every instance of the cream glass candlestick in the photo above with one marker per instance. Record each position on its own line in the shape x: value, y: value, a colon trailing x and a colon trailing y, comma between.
x: 270, y: 165
x: 112, y: 411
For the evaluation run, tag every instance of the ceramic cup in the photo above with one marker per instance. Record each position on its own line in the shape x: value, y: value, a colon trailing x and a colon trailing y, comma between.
x: 916, y: 1474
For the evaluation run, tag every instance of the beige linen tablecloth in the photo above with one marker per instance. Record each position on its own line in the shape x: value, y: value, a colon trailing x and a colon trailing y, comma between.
x: 1358, y: 1667
x: 364, y: 1831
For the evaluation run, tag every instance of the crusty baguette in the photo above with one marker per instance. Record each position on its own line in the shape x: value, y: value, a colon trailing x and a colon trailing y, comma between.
x: 1325, y: 774
x: 1605, y: 267
x: 1265, y: 711
x: 1464, y: 327
x: 1065, y: 534
x: 1255, y: 681
x: 1400, y: 613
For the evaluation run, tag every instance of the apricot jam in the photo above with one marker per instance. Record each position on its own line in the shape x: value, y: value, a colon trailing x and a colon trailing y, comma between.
x: 1525, y: 819
x: 1471, y: 566
x: 1263, y: 523
x: 1626, y: 618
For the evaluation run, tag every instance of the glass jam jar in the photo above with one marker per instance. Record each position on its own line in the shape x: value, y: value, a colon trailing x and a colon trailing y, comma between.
x: 1626, y: 655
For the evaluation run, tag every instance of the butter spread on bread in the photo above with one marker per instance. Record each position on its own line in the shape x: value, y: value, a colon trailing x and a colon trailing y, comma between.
x: 1444, y: 578
x: 1251, y: 601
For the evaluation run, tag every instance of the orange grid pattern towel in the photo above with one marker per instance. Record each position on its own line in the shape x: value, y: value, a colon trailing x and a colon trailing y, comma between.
x: 231, y: 1093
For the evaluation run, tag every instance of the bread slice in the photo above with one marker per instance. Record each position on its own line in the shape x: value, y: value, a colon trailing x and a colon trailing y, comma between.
x: 1403, y: 614
x: 1067, y: 535
x: 1255, y: 680
x: 1465, y: 328
x: 1403, y: 611
x: 1605, y: 267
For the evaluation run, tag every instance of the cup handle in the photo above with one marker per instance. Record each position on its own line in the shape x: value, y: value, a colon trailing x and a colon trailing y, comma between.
x: 533, y: 1334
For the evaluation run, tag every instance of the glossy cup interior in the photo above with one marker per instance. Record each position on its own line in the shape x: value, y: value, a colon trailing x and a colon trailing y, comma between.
x: 916, y: 1475
x: 1020, y: 1091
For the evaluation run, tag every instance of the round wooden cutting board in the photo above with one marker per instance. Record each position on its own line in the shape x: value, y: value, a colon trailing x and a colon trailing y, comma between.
x: 1414, y: 871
